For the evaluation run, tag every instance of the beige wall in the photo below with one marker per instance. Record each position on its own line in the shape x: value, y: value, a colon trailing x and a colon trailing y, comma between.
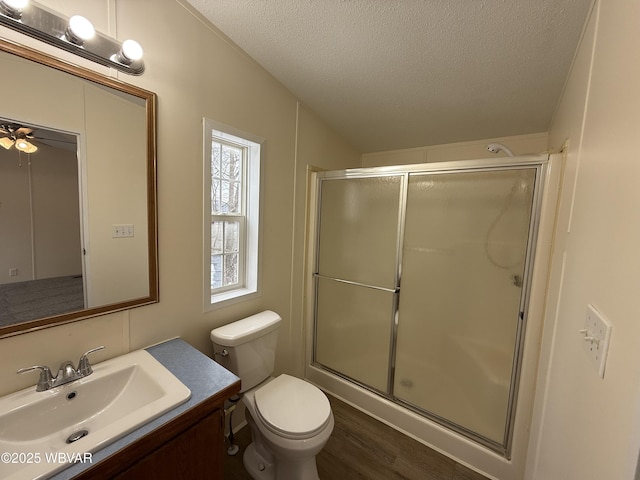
x: 196, y: 72
x: 39, y: 215
x: 518, y: 144
x: 586, y: 427
x: 316, y: 150
x: 56, y: 216
x: 116, y: 268
x: 15, y: 217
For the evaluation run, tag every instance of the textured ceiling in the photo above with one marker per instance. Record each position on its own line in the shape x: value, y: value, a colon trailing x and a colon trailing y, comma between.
x: 392, y: 74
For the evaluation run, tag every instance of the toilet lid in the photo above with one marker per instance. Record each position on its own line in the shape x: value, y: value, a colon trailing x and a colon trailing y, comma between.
x: 292, y: 408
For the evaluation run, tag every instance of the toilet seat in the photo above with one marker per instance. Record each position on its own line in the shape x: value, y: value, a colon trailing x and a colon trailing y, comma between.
x: 292, y: 408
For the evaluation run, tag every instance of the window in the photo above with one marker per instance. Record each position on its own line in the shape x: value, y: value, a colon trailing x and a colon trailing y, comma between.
x: 231, y: 213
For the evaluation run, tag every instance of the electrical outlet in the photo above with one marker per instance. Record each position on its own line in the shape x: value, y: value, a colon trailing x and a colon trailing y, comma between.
x: 596, y: 335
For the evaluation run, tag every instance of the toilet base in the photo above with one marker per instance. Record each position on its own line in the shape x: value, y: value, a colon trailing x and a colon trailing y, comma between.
x: 261, y: 469
x: 257, y: 466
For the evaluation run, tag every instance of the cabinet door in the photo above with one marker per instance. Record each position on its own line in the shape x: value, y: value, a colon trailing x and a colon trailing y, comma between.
x: 196, y: 453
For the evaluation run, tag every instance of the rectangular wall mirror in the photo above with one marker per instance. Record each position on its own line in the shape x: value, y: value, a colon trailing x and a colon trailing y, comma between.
x: 78, y: 231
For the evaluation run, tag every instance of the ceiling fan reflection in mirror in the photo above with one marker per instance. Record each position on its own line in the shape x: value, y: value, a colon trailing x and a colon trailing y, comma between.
x: 29, y: 139
x: 17, y: 136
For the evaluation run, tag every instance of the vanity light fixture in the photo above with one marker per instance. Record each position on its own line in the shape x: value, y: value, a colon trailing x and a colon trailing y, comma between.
x: 76, y: 35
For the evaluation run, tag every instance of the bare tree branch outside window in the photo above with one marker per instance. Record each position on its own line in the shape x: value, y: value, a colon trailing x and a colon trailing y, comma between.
x: 226, y: 200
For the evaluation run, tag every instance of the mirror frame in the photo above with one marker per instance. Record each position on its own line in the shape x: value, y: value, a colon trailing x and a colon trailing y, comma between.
x: 151, y: 163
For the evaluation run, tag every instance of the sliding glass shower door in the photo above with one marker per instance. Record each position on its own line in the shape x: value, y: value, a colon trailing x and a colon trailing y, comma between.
x: 463, y: 263
x: 421, y: 282
x: 356, y: 283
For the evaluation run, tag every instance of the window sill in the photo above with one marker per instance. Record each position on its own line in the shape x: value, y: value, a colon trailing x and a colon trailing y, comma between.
x: 232, y: 296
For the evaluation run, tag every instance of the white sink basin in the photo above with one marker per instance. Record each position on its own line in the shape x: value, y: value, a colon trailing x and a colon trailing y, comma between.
x: 119, y: 396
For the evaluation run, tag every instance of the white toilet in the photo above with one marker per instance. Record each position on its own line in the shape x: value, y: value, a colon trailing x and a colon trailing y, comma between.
x: 290, y: 419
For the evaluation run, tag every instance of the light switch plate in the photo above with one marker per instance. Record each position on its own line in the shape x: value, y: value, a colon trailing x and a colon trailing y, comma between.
x: 122, y: 230
x: 596, y: 337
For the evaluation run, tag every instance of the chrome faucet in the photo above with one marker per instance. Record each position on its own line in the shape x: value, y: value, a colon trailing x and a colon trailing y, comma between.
x: 66, y: 372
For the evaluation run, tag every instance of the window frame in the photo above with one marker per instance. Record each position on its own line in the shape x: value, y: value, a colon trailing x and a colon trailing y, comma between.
x: 249, y: 216
x: 240, y: 217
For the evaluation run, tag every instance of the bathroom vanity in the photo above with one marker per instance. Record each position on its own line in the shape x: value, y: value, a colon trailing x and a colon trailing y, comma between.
x: 184, y: 443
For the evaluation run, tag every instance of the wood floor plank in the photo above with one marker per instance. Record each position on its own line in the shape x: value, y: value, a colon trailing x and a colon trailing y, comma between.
x: 362, y: 448
x: 464, y: 473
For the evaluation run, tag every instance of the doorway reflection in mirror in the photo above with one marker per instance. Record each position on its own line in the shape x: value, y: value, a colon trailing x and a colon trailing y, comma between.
x: 41, y: 265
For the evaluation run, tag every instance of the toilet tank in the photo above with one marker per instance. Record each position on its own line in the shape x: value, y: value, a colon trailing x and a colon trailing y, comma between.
x: 251, y: 346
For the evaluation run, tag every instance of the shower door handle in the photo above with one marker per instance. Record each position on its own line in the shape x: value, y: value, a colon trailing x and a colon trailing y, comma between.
x: 358, y: 284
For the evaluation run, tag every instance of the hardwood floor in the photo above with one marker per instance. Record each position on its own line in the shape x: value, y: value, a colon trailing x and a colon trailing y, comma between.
x: 361, y: 447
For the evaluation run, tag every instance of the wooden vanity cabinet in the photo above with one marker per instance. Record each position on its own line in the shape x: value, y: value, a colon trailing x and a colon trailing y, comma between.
x: 188, y: 447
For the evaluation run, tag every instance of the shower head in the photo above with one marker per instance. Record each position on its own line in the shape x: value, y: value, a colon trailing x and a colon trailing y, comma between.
x: 496, y: 147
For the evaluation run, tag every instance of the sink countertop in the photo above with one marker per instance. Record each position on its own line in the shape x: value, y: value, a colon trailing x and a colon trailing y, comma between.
x: 204, y: 377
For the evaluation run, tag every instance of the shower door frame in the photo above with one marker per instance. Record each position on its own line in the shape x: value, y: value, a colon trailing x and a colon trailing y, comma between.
x: 541, y: 165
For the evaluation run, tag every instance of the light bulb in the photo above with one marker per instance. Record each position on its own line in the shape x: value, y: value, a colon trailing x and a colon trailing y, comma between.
x: 13, y: 8
x: 80, y: 29
x: 30, y: 148
x: 25, y: 146
x: 16, y: 4
x: 131, y: 50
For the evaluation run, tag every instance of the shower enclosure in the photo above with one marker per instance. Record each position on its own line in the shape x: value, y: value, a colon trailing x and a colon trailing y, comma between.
x: 421, y: 286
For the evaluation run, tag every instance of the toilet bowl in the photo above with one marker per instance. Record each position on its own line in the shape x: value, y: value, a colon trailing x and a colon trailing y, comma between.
x: 290, y: 419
